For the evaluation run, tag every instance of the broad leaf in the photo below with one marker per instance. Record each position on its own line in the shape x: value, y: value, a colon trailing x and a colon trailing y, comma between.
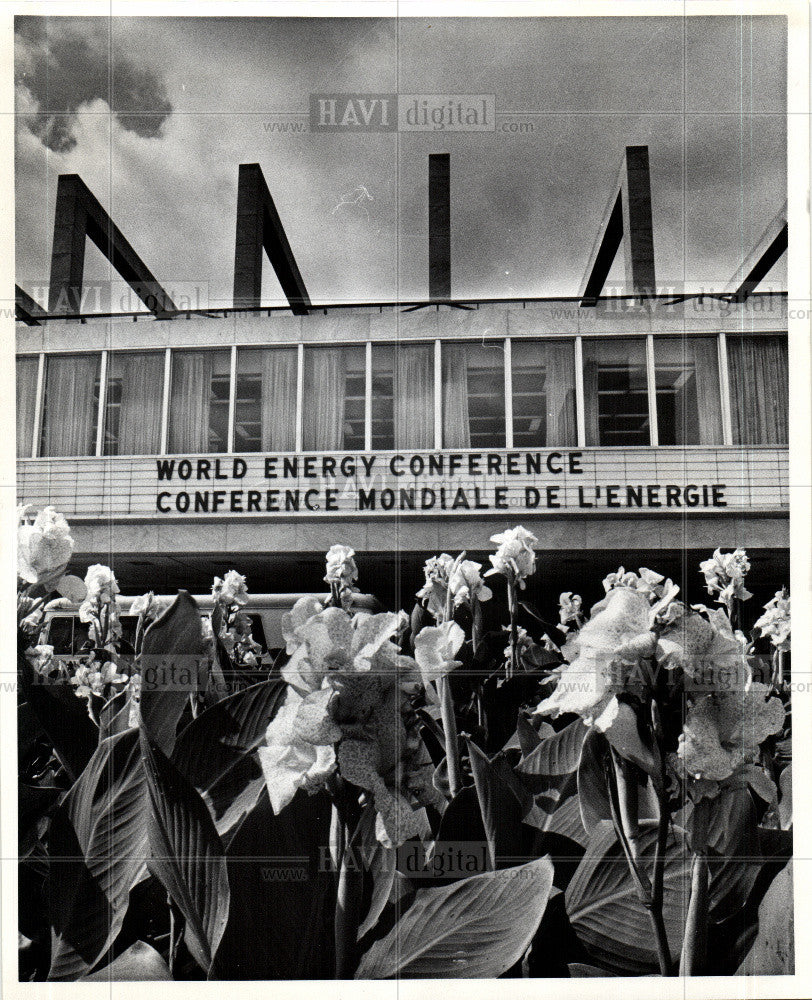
x: 773, y: 951
x: 139, y: 963
x: 604, y: 910
x: 474, y: 929
x: 565, y: 821
x: 499, y: 794
x: 218, y: 738
x: 593, y: 797
x: 97, y: 844
x: 556, y: 756
x: 186, y: 854
x: 173, y: 666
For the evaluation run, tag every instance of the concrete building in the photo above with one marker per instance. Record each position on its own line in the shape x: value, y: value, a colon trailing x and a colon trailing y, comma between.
x: 644, y: 429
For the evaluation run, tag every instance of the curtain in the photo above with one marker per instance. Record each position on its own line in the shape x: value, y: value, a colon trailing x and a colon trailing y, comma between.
x: 560, y: 392
x: 26, y: 401
x: 324, y: 393
x: 456, y: 430
x: 591, y: 396
x: 190, y: 405
x: 414, y: 396
x: 69, y: 419
x: 703, y: 352
x: 759, y: 388
x: 278, y: 400
x: 139, y: 420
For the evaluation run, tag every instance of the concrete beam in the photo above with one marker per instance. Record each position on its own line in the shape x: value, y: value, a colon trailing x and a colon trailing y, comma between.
x: 627, y: 220
x: 27, y: 309
x: 757, y: 264
x: 79, y: 215
x: 260, y: 228
x: 439, y: 226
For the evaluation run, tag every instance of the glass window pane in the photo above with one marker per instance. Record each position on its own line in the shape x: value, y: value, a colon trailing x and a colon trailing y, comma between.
x: 474, y: 395
x: 132, y: 413
x: 71, y: 404
x: 198, y: 406
x: 27, y: 369
x: 759, y: 387
x: 615, y: 392
x: 403, y: 396
x: 543, y: 393
x: 688, y: 400
x: 265, y: 413
x: 334, y: 398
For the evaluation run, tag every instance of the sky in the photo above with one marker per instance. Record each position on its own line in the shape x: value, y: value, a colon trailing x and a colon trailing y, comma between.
x: 156, y: 114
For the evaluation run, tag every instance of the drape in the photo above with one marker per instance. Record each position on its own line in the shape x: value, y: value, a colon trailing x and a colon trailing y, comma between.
x: 139, y: 421
x: 414, y: 396
x: 456, y: 430
x: 560, y: 392
x: 759, y: 389
x: 26, y: 401
x: 703, y: 352
x: 278, y: 400
x: 324, y: 394
x: 190, y: 404
x: 69, y: 415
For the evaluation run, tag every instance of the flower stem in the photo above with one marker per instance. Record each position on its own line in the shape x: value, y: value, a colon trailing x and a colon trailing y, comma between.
x: 695, y: 941
x: 348, y: 903
x: 514, y: 628
x: 452, y: 749
x: 643, y: 887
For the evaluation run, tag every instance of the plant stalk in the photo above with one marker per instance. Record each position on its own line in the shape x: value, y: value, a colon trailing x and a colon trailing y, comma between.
x: 452, y: 748
x: 695, y: 942
x: 348, y: 906
x: 514, y: 628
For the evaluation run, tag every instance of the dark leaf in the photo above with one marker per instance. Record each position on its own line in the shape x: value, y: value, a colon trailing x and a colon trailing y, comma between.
x: 97, y: 845
x: 63, y: 717
x: 476, y: 928
x: 186, y: 853
x: 503, y: 802
x: 605, y: 912
x: 556, y: 756
x: 173, y: 665
x: 218, y: 738
x: 593, y: 796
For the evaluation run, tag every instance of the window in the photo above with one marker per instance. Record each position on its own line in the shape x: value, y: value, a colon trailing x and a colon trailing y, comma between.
x: 474, y: 395
x: 543, y: 393
x: 70, y: 405
x: 334, y: 398
x: 198, y: 409
x: 132, y: 413
x: 759, y: 386
x: 265, y: 413
x: 686, y: 373
x: 26, y: 402
x: 402, y: 396
x: 615, y: 392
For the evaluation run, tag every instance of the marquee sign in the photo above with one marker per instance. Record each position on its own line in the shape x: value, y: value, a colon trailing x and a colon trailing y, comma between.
x: 648, y: 481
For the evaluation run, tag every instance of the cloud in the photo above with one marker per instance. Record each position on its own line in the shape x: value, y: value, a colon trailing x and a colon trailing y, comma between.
x: 64, y: 66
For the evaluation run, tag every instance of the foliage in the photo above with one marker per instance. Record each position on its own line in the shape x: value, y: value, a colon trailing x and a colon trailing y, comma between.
x: 386, y: 801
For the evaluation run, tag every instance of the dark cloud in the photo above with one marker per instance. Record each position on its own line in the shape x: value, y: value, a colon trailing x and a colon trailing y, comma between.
x: 64, y: 66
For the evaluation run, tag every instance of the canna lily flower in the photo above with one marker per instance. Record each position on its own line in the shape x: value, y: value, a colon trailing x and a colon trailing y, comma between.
x: 570, y: 610
x: 342, y: 572
x: 230, y: 590
x: 515, y: 557
x: 434, y: 592
x: 44, y: 546
x: 435, y: 649
x: 724, y: 575
x: 347, y: 688
x: 776, y: 622
x: 466, y: 583
x: 724, y: 730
